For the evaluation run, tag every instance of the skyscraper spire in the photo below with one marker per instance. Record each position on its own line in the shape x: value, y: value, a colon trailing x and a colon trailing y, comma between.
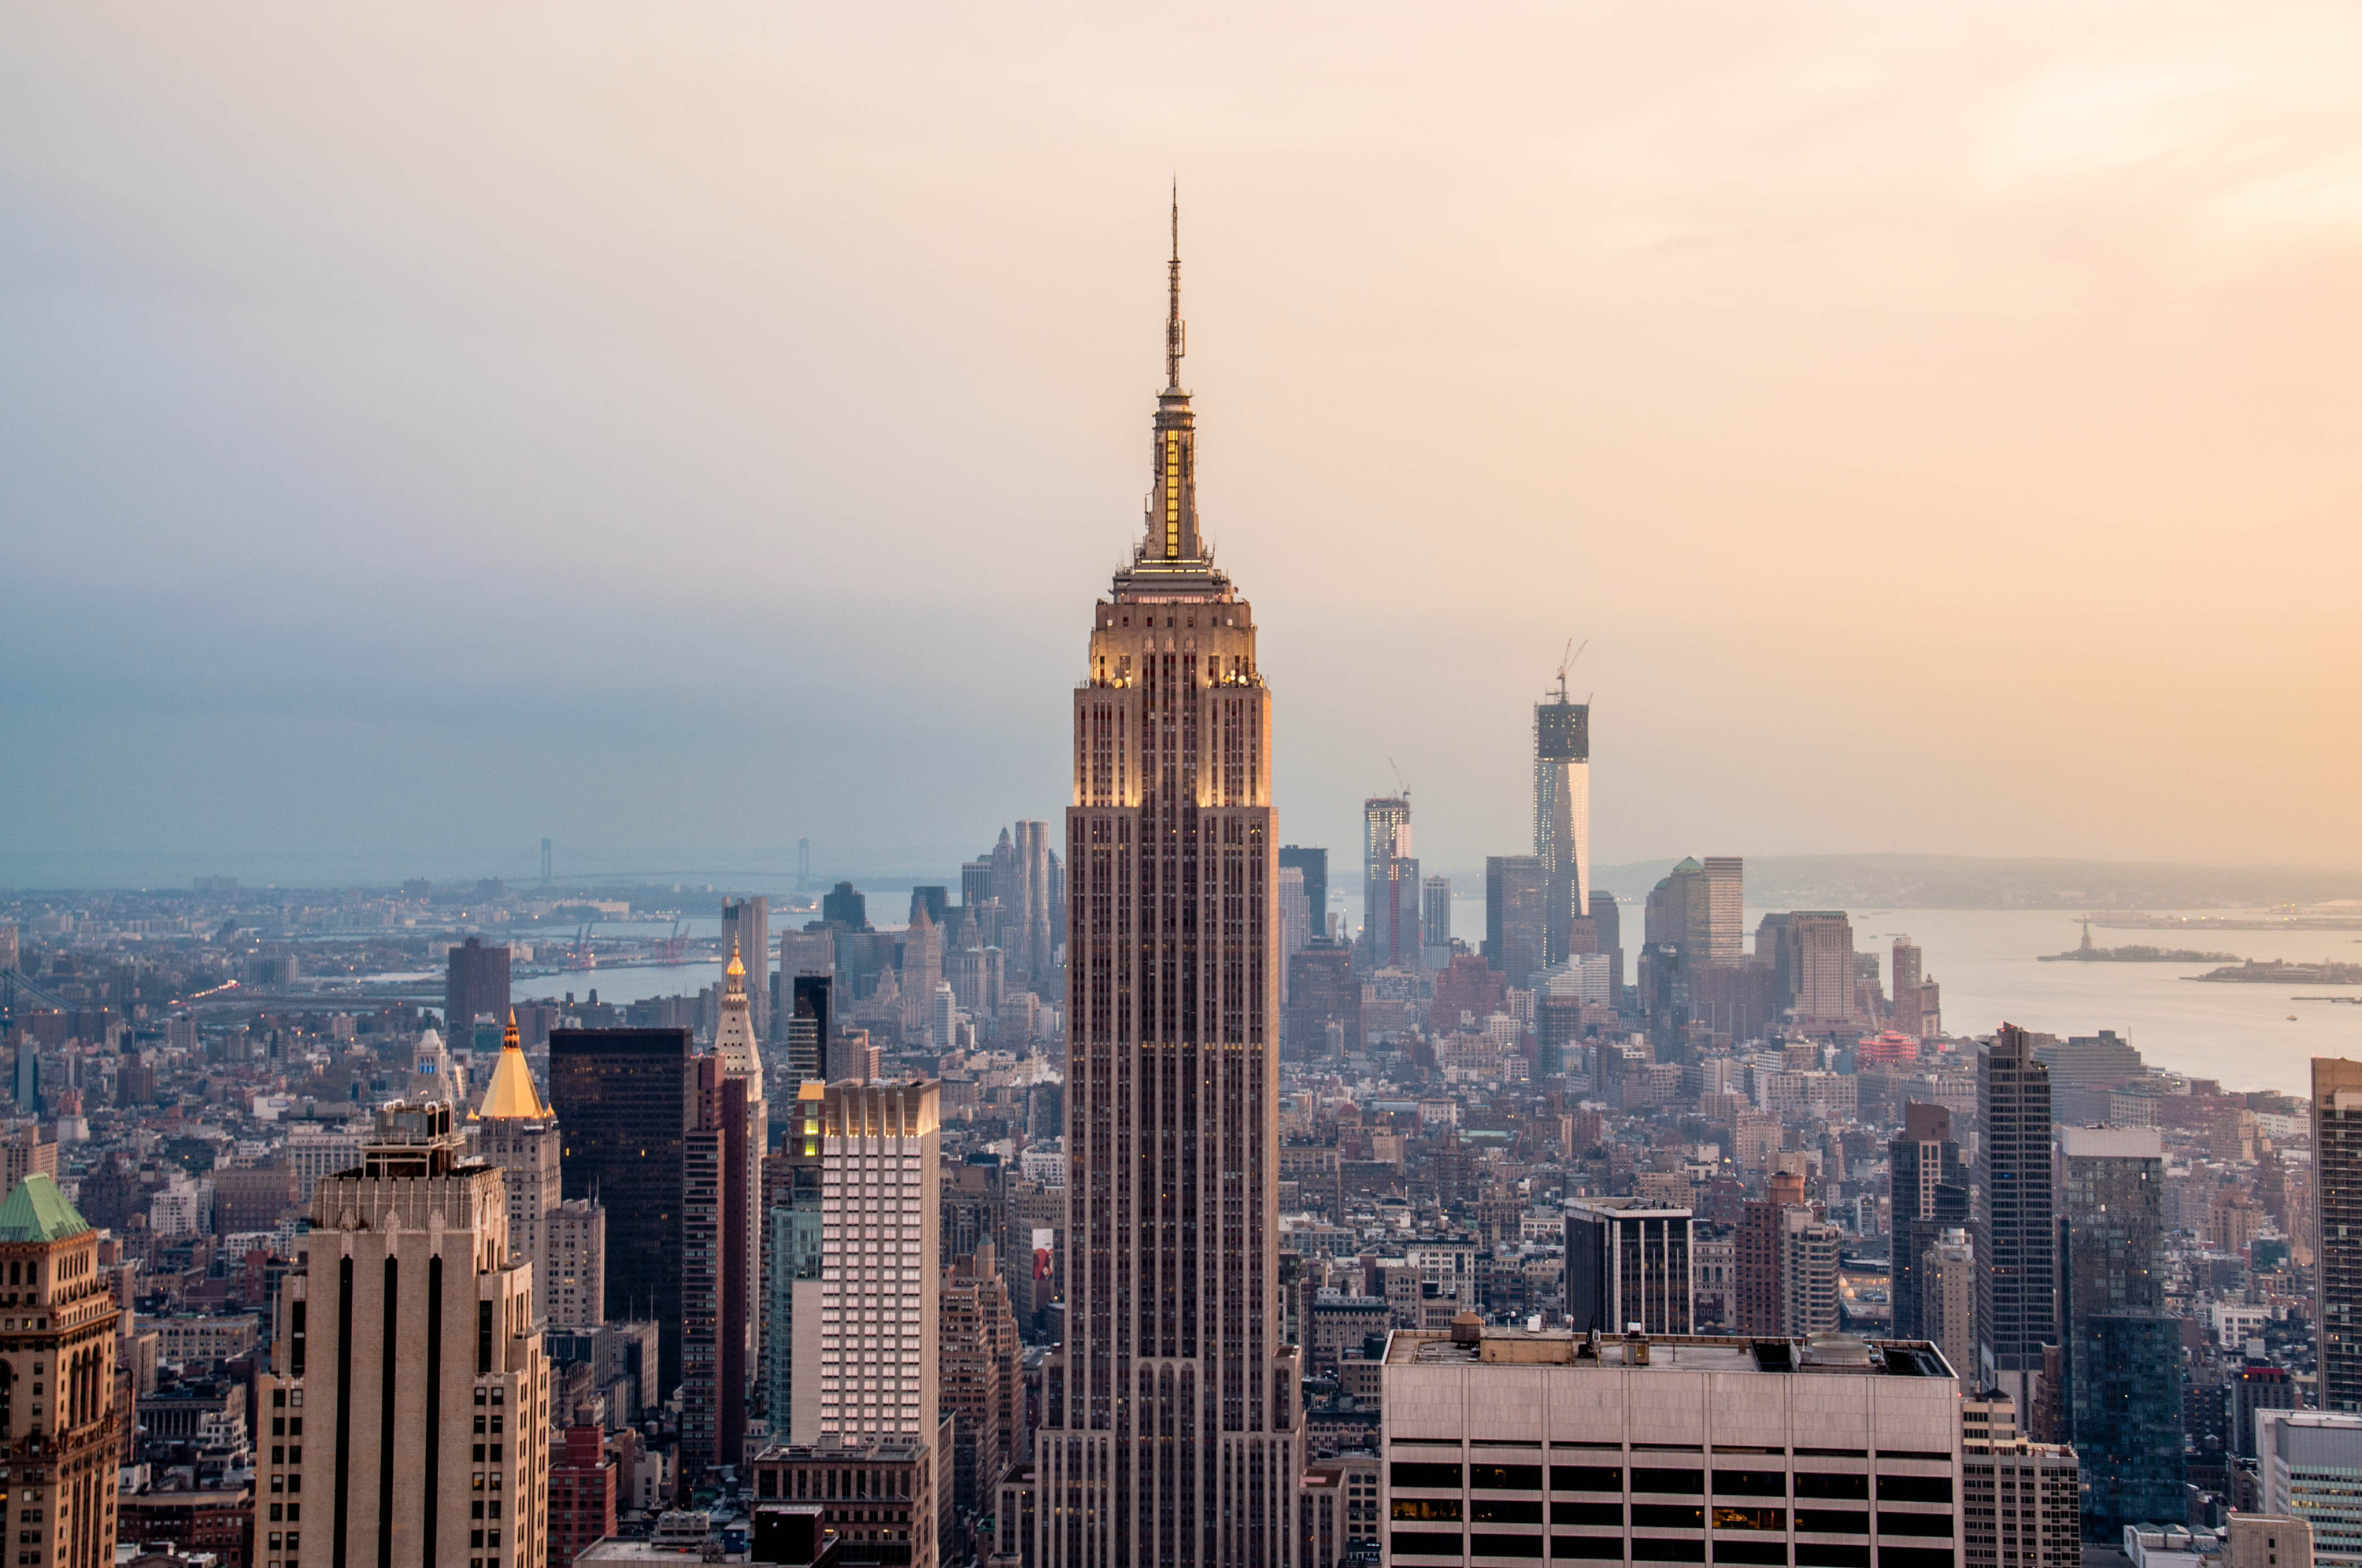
x: 1177, y: 335
x: 1171, y: 536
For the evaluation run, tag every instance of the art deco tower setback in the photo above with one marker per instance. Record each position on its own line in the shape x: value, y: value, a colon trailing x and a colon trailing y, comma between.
x: 1171, y: 1431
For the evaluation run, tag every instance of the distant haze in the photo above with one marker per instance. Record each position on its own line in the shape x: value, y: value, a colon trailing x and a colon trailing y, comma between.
x: 682, y: 431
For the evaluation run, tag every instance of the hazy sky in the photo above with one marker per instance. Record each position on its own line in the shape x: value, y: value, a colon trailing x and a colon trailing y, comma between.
x: 678, y: 430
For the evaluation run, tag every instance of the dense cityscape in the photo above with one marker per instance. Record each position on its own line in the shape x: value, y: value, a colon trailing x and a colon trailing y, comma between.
x: 1118, y: 1202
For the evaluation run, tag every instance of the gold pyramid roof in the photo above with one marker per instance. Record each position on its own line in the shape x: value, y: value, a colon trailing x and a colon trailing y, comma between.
x: 510, y: 1095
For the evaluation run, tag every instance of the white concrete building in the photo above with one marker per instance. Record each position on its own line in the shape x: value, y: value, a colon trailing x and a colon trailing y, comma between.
x: 1507, y: 1445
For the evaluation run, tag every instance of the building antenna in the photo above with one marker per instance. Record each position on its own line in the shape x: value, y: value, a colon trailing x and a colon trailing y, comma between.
x: 1177, y: 334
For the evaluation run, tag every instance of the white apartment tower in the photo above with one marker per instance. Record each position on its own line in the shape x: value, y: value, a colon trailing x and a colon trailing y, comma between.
x: 874, y: 1364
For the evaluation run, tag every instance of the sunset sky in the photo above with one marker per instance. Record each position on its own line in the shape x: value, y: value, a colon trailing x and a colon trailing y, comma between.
x: 679, y: 430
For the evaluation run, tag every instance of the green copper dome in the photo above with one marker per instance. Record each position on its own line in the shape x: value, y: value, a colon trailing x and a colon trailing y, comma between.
x: 38, y: 1211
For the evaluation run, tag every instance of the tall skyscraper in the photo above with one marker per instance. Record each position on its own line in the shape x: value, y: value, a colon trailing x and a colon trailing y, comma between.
x: 1314, y: 865
x: 1435, y: 912
x: 1927, y: 1193
x: 475, y: 987
x: 1171, y: 1432
x: 980, y: 1378
x: 734, y: 1043
x: 1031, y: 951
x: 1293, y: 910
x: 1607, y: 930
x: 516, y: 1133
x: 1905, y: 978
x: 923, y: 971
x: 2337, y: 1199
x: 574, y: 1240
x: 1809, y: 1273
x: 622, y: 1097
x: 2121, y: 1343
x: 1389, y: 884
x: 421, y: 1374
x: 793, y: 1254
x: 1679, y: 914
x: 746, y: 931
x: 1562, y: 817
x: 2017, y: 1295
x: 1764, y: 1255
x: 845, y: 905
x: 1516, y: 915
x: 877, y: 1350
x: 1946, y: 1276
x: 61, y: 1447
x: 718, y: 1193
x: 1726, y: 911
x: 808, y: 1025
x: 1822, y: 940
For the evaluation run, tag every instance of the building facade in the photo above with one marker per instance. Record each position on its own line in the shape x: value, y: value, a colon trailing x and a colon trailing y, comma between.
x: 2119, y: 1339
x: 1563, y: 822
x: 621, y: 1097
x: 1627, y: 1261
x: 60, y: 1429
x: 716, y: 1265
x: 475, y: 990
x: 2310, y: 1465
x: 2016, y: 1241
x: 1927, y: 1193
x: 2021, y: 1502
x: 1947, y: 1281
x: 1171, y: 1430
x: 411, y: 1347
x: 2337, y: 1195
x: 513, y: 1132
x: 1516, y: 915
x: 747, y: 936
x: 1501, y: 1446
x: 582, y: 1493
x: 875, y: 1362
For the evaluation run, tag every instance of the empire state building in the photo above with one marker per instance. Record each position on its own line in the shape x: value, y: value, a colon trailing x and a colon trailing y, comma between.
x: 1171, y: 1428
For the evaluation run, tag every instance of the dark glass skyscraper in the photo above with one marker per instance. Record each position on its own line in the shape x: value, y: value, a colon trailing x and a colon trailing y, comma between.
x: 1516, y: 915
x: 623, y: 1100
x: 717, y: 1265
x: 2121, y: 1345
x: 1927, y: 1193
x: 2337, y: 1194
x: 475, y: 985
x: 2017, y: 1293
x: 1314, y: 863
x: 1171, y: 1432
x: 808, y: 1025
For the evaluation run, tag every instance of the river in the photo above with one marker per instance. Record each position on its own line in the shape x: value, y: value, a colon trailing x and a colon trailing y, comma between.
x: 1988, y: 962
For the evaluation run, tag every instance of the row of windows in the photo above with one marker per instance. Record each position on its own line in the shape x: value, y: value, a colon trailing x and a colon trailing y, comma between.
x: 1415, y: 1544
x: 1427, y: 1475
x: 1667, y: 1516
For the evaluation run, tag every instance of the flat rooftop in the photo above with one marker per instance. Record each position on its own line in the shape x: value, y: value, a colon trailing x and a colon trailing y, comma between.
x: 1837, y: 1354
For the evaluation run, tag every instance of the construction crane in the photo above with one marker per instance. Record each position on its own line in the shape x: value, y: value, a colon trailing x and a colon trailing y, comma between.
x: 1567, y: 663
x: 1400, y: 787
